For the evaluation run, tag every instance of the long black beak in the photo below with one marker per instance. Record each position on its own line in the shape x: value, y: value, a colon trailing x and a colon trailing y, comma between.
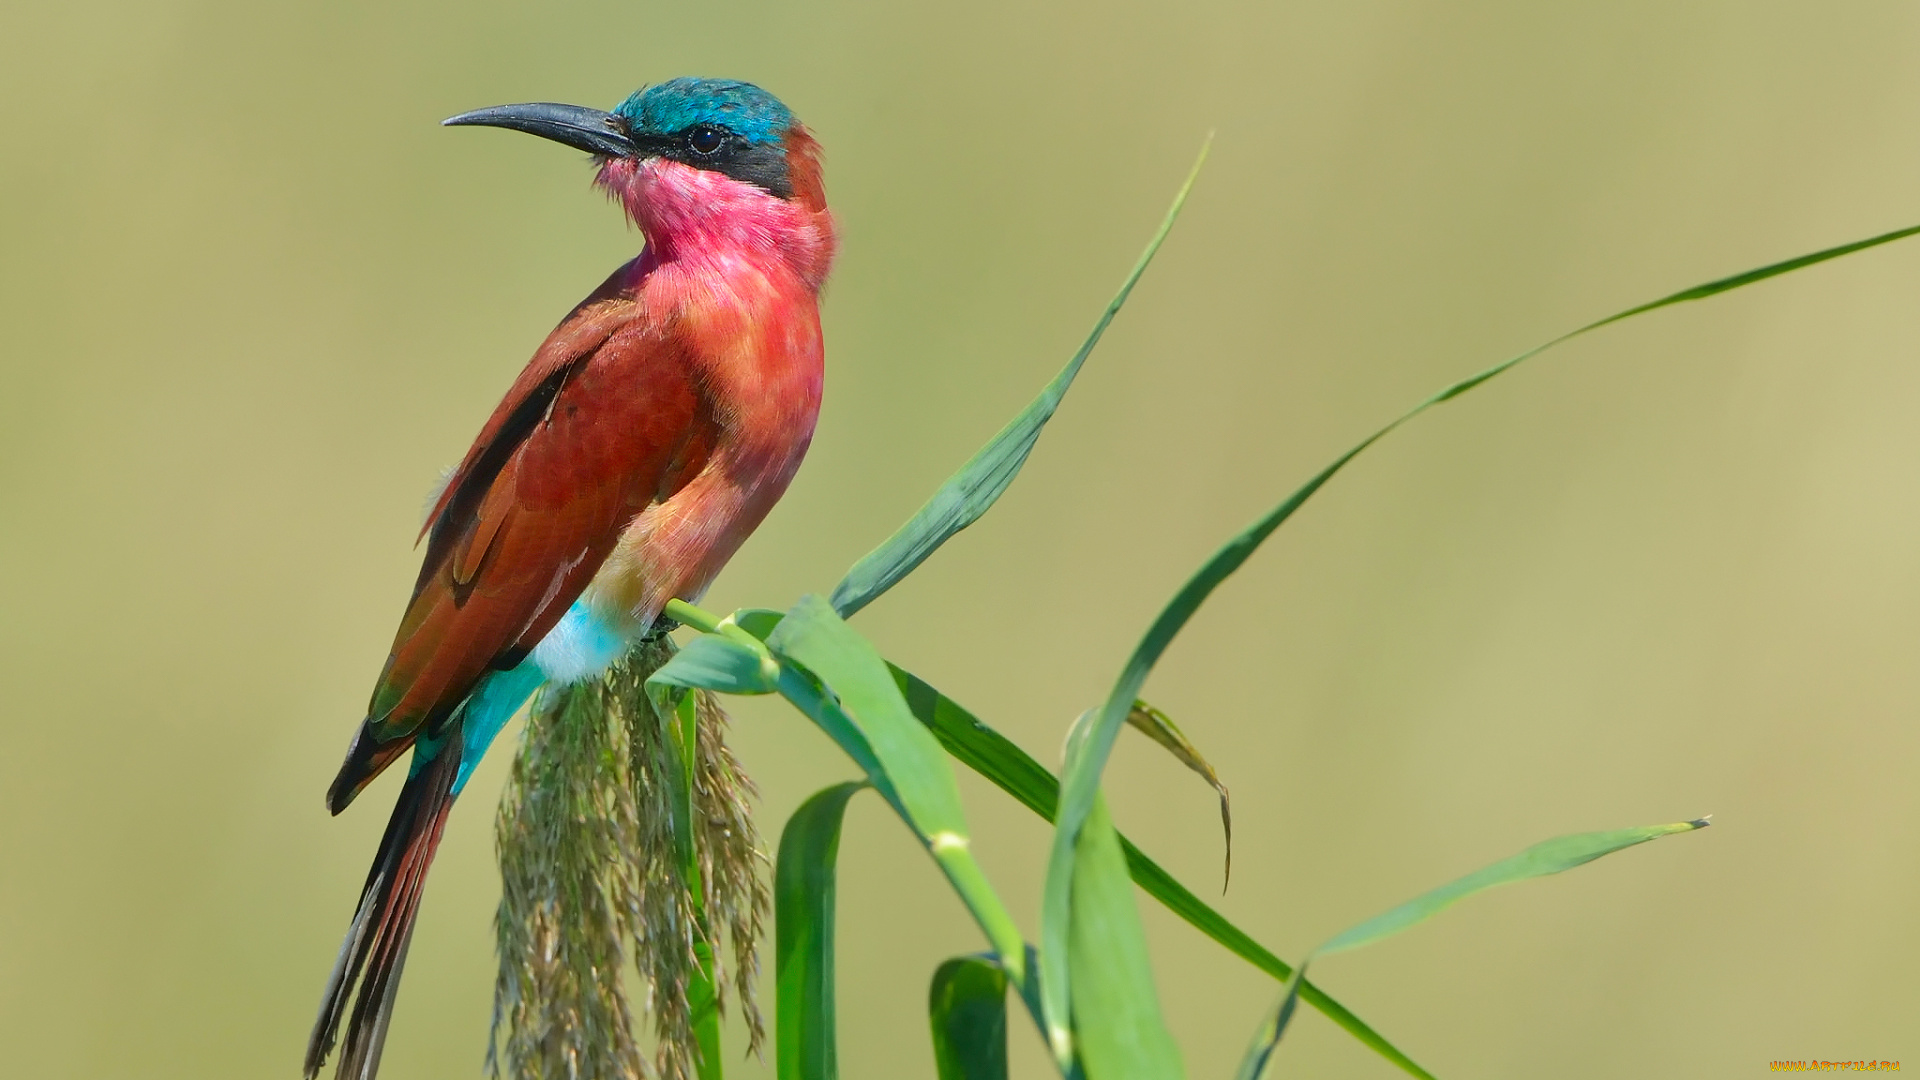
x: 582, y: 128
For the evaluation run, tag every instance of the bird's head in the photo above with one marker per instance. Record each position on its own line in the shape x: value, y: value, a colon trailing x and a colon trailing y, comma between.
x: 687, y: 154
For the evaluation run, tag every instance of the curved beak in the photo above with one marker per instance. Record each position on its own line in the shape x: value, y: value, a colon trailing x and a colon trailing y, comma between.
x: 582, y: 128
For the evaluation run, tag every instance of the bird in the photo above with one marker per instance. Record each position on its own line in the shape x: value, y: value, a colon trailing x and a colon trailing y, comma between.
x: 651, y: 432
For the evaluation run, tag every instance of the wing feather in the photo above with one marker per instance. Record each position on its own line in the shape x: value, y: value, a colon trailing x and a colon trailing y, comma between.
x: 606, y: 417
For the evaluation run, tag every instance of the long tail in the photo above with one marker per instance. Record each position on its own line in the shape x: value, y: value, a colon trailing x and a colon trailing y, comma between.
x: 376, y: 945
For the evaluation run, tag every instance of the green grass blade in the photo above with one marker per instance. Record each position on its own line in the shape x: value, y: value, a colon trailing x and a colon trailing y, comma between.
x: 817, y: 639
x: 905, y: 752
x: 1088, y: 746
x: 1036, y: 1009
x: 978, y: 746
x: 1015, y: 772
x: 969, y: 493
x: 805, y: 1047
x: 1180, y: 900
x: 807, y: 695
x: 682, y: 730
x: 759, y: 622
x: 1748, y: 277
x: 703, y: 1006
x: 1697, y: 292
x: 703, y: 997
x: 967, y: 1008
x: 994, y: 756
x: 1118, y: 1032
x: 1081, y: 783
x: 1547, y: 857
x: 1267, y: 1036
x: 713, y: 662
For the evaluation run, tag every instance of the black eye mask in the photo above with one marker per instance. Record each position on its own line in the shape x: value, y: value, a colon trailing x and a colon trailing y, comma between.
x: 718, y: 149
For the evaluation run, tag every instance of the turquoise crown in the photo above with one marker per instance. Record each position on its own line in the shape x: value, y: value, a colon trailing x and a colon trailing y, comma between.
x: 678, y: 104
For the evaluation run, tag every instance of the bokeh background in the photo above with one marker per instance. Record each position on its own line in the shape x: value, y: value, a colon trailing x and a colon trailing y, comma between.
x: 252, y: 300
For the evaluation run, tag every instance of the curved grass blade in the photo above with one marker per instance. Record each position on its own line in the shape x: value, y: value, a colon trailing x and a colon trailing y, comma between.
x: 1547, y: 857
x: 1015, y: 772
x: 703, y: 1005
x: 1160, y: 727
x: 817, y: 704
x: 1118, y: 1032
x: 967, y: 1008
x: 1030, y: 997
x: 703, y: 995
x: 922, y: 784
x: 805, y: 1047
x: 714, y: 662
x: 969, y: 493
x: 1267, y: 1036
x: 1081, y: 783
x: 821, y: 643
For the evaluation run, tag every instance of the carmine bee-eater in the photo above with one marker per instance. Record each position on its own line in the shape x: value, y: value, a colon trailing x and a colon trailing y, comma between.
x: 651, y: 432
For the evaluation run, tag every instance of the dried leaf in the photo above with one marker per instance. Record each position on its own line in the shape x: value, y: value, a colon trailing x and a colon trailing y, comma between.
x: 1160, y: 727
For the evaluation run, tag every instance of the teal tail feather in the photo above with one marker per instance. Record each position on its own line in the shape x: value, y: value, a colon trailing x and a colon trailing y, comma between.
x: 376, y: 947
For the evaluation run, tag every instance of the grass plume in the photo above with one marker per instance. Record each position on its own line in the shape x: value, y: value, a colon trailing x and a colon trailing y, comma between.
x: 613, y: 866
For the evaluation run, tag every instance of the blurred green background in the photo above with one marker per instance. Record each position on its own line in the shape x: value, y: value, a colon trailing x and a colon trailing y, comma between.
x: 252, y: 300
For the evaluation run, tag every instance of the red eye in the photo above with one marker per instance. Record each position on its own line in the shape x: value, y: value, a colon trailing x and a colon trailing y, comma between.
x: 705, y: 140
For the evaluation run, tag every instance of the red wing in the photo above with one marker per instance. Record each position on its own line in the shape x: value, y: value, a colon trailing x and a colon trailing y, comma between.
x: 583, y: 331
x: 584, y: 441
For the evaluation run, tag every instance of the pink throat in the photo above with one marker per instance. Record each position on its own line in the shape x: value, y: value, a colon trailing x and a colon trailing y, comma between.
x: 690, y: 214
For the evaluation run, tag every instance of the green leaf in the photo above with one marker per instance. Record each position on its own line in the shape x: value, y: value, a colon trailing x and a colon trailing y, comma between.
x: 969, y: 493
x: 978, y: 746
x: 703, y: 1007
x: 1088, y: 746
x: 1547, y: 857
x: 680, y: 722
x: 758, y: 622
x: 1118, y: 1032
x: 803, y: 894
x: 922, y: 535
x: 1081, y: 783
x: 1160, y: 727
x: 817, y: 703
x: 1010, y: 768
x: 703, y: 996
x: 1015, y: 772
x: 819, y: 641
x: 714, y: 662
x: 967, y: 1007
x: 907, y: 758
x: 1267, y: 1036
x: 1030, y: 997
